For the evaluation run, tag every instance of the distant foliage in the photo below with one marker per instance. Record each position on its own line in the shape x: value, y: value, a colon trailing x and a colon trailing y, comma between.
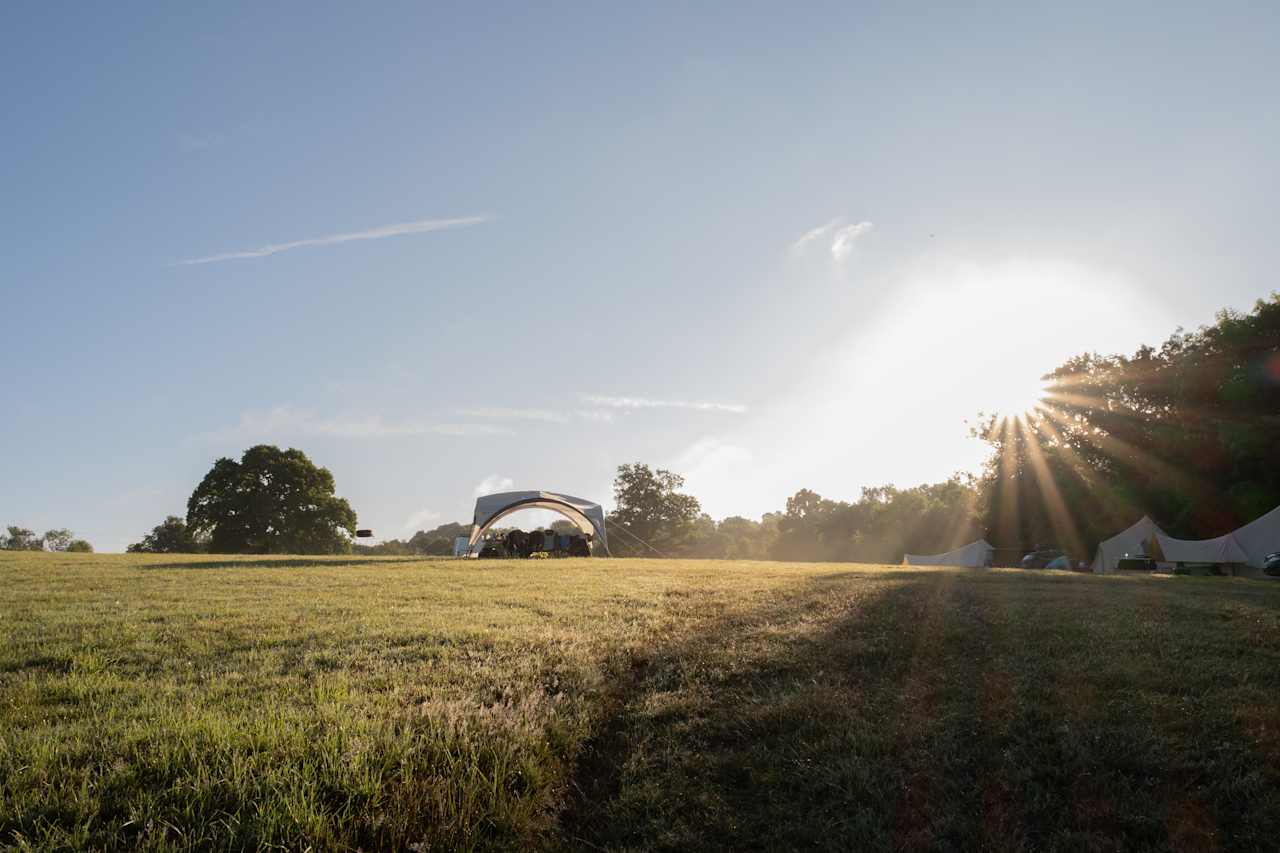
x: 58, y: 540
x: 171, y: 536
x: 272, y: 501
x: 435, y: 543
x: 877, y: 528
x: 21, y: 539
x: 24, y: 539
x: 1188, y: 433
x: 882, y: 525
x: 79, y: 546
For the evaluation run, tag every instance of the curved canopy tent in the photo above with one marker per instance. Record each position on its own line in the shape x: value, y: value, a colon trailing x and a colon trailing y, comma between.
x: 975, y: 555
x: 586, y: 515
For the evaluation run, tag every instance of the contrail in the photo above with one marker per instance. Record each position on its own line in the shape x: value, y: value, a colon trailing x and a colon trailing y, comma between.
x: 422, y: 226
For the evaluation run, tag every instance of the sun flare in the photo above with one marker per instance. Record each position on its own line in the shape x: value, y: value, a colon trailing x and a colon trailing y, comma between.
x: 1019, y: 399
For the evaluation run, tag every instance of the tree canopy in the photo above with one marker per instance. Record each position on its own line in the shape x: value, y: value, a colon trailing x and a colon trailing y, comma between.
x: 272, y: 501
x: 437, y: 542
x: 58, y: 539
x: 171, y: 536
x: 651, y: 509
x: 1187, y: 432
x: 21, y: 539
x: 18, y: 538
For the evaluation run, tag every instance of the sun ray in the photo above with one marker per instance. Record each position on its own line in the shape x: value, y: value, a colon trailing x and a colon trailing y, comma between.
x: 1007, y: 486
x: 1064, y: 526
x: 1116, y: 515
x: 1129, y: 454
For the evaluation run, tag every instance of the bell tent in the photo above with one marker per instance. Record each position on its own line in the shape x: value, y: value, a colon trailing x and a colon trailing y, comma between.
x: 974, y: 555
x: 1132, y: 542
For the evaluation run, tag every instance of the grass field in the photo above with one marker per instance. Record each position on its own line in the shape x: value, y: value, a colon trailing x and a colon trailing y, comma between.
x: 150, y: 702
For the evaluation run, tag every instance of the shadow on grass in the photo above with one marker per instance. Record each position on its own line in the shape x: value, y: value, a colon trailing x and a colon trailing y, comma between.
x: 281, y: 563
x: 928, y: 711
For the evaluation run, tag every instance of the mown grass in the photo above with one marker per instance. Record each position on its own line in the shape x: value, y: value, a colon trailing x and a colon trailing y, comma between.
x: 221, y: 703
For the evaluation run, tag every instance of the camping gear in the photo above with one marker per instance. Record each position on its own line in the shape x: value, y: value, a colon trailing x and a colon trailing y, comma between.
x: 586, y: 515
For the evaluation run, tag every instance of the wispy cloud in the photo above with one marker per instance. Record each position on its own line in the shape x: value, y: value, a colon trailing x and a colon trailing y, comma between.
x: 838, y: 236
x: 500, y: 413
x: 494, y: 483
x: 712, y: 455
x: 647, y: 403
x: 421, y: 226
x: 287, y: 420
x: 602, y: 416
x: 419, y: 519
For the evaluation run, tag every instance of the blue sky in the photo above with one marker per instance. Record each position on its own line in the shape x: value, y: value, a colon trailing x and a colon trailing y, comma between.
x: 770, y: 247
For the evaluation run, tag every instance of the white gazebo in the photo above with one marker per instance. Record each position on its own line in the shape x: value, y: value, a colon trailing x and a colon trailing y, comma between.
x: 586, y: 515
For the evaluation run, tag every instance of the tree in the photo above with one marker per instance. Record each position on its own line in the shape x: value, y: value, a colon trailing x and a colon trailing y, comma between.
x: 650, y: 507
x: 879, y: 527
x: 171, y: 536
x: 22, y: 539
x: 438, y: 542
x: 435, y: 543
x: 79, y: 546
x: 1186, y: 432
x: 272, y: 501
x: 57, y: 540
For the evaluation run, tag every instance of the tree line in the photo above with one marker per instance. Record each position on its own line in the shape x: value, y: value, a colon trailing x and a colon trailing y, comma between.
x: 17, y: 538
x: 1187, y: 432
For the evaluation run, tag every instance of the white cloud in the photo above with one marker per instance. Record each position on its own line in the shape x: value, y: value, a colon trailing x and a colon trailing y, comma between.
x: 838, y: 237
x: 464, y: 429
x: 494, y: 483
x: 603, y: 416
x: 843, y: 239
x: 419, y: 519
x: 816, y: 235
x: 646, y: 403
x: 421, y: 226
x: 516, y: 414
x: 287, y: 420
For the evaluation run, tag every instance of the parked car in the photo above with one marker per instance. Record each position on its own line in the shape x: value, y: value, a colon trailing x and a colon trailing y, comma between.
x: 1138, y: 563
x: 1271, y: 565
x: 1041, y: 557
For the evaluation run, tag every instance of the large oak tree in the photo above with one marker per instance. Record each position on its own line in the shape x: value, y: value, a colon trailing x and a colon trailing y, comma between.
x: 272, y: 501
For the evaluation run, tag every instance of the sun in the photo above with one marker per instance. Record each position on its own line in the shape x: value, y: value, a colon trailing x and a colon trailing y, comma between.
x: 1018, y: 398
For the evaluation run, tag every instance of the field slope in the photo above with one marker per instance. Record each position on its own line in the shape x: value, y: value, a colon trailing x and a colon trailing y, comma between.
x: 151, y: 702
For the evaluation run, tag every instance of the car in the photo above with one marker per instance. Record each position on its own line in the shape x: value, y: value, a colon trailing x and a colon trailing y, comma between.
x: 1041, y: 557
x: 1271, y: 564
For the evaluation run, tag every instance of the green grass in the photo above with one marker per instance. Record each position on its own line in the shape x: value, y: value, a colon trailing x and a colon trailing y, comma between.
x: 150, y: 702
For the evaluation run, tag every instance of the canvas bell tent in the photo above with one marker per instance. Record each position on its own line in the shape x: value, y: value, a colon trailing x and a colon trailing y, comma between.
x: 1222, y: 549
x: 586, y: 515
x: 1134, y: 541
x: 1245, y: 546
x: 975, y: 555
x: 1259, y: 537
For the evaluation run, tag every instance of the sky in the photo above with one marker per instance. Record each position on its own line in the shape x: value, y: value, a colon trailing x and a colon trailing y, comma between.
x: 447, y: 250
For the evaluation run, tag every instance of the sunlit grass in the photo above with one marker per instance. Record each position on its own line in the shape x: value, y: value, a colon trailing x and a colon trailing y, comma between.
x: 230, y: 703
